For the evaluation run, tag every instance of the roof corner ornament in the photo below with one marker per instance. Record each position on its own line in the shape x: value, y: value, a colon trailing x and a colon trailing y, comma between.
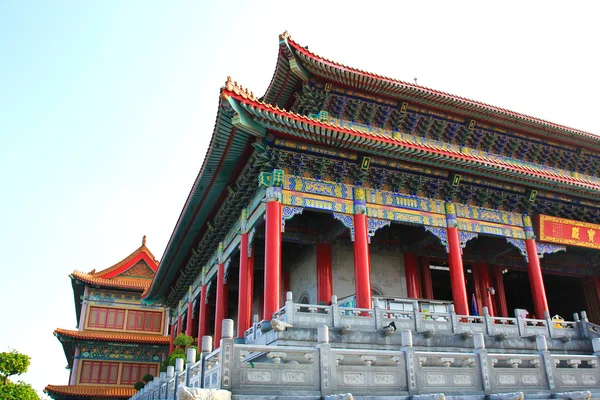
x: 144, y: 240
x: 284, y: 36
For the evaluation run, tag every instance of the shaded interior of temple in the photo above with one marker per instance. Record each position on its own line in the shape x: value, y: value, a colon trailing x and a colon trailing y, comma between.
x: 563, y: 272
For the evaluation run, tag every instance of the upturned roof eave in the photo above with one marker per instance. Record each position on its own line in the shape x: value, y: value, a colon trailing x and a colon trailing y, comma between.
x: 261, y: 110
x: 209, y: 184
x: 434, y: 98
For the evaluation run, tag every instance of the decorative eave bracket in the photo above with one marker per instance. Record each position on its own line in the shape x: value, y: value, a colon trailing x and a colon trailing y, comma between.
x: 241, y: 119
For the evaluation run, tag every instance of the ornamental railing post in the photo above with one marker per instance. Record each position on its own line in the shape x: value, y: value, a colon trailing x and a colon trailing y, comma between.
x: 227, y: 343
x: 289, y: 307
x: 542, y: 347
x: 409, y: 359
x: 480, y: 350
x: 207, y: 347
x: 335, y: 312
x: 324, y: 359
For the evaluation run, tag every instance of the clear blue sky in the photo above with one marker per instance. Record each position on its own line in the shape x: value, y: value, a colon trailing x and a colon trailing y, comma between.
x: 106, y: 109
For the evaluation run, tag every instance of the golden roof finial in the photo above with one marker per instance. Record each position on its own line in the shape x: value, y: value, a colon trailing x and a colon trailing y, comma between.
x: 144, y: 240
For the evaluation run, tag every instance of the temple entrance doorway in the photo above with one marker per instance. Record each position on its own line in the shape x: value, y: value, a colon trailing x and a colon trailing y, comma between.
x: 440, y: 281
x: 565, y: 295
x: 518, y: 291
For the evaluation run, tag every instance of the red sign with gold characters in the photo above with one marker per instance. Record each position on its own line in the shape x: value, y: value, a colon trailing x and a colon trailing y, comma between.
x: 566, y: 231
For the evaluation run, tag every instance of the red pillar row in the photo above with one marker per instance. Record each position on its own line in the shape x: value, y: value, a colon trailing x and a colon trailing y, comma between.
x: 535, y: 279
x: 202, y: 315
x: 362, y: 269
x: 324, y: 273
x: 486, y: 294
x: 171, y: 338
x: 457, y: 275
x: 500, y: 293
x: 188, y: 320
x: 244, y: 301
x: 179, y: 318
x: 427, y: 284
x: 411, y: 271
x: 272, y: 288
x: 219, y: 305
x: 250, y: 284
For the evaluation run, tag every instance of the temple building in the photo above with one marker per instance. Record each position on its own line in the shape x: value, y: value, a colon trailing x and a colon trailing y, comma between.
x: 118, y: 339
x: 343, y: 206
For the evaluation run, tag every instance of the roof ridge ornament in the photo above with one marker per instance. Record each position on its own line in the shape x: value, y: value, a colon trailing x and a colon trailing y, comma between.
x: 238, y: 89
x: 144, y: 240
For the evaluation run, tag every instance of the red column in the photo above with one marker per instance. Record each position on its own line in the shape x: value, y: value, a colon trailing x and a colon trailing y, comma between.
x: 179, y: 318
x: 500, y: 293
x: 219, y: 305
x: 272, y: 287
x: 324, y: 273
x: 535, y: 279
x: 427, y: 285
x: 202, y: 315
x: 457, y: 274
x: 188, y: 320
x: 479, y: 286
x: 362, y: 276
x: 486, y: 283
x: 250, y: 284
x: 171, y: 338
x: 410, y: 269
x: 244, y: 301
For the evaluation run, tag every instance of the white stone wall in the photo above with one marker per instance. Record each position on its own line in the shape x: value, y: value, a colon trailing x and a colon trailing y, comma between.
x: 387, y: 273
x: 303, y: 276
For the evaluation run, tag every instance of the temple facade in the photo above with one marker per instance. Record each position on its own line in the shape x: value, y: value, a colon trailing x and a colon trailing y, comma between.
x: 346, y: 202
x: 118, y: 339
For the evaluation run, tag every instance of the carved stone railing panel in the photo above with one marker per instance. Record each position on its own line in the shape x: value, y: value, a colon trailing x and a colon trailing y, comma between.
x: 517, y: 372
x: 212, y: 370
x: 404, y: 320
x: 362, y: 319
x: 275, y: 369
x: 533, y: 327
x: 469, y: 323
x: 575, y: 372
x: 437, y: 322
x: 502, y: 326
x: 448, y: 372
x: 366, y: 372
x: 561, y: 329
x: 195, y: 374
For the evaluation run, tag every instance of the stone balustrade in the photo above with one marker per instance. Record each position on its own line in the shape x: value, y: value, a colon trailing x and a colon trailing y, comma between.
x: 256, y: 370
x: 449, y: 323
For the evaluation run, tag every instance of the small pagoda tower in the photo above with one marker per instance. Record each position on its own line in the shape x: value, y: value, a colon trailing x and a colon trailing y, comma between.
x: 119, y: 339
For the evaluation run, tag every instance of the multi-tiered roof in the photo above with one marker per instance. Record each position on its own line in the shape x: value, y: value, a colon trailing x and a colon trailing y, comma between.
x: 211, y: 210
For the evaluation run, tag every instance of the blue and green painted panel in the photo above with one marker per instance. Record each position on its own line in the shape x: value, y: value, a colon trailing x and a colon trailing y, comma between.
x: 487, y: 215
x: 305, y: 185
x: 114, y: 352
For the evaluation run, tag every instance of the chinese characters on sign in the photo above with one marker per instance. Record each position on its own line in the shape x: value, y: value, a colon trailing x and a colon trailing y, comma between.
x: 565, y: 231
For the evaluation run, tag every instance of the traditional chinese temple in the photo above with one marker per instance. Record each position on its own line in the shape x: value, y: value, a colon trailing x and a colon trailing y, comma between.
x: 346, y: 201
x: 118, y: 339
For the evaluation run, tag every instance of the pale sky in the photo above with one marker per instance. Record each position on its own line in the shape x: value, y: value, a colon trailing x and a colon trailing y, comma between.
x: 107, y: 108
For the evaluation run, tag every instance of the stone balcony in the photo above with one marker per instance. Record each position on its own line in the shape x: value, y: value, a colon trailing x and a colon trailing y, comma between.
x: 333, y: 350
